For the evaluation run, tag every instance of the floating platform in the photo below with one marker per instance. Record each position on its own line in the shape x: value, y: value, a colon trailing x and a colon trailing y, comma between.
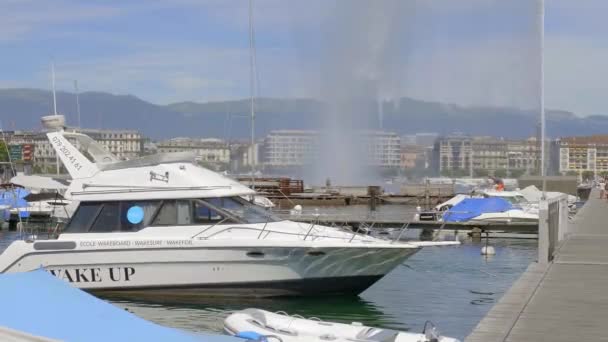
x: 561, y: 300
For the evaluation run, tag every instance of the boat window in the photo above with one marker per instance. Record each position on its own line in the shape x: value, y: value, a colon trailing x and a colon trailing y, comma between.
x: 83, y: 217
x: 173, y: 213
x: 242, y: 209
x: 135, y: 215
x: 204, y: 214
x: 515, y: 199
x: 108, y: 219
x: 57, y: 203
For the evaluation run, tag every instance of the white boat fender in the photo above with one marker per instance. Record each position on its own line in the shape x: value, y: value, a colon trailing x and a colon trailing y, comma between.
x: 488, y: 250
x: 252, y: 336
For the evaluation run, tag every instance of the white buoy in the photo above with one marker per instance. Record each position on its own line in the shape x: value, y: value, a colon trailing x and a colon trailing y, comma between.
x: 487, y: 250
x: 297, y: 210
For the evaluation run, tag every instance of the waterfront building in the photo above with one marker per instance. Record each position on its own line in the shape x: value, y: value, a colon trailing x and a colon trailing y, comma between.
x: 290, y: 148
x: 583, y: 154
x: 420, y: 139
x: 125, y: 144
x: 383, y: 149
x: 243, y: 156
x: 478, y: 156
x: 414, y: 157
x: 208, y: 151
x: 452, y: 154
x: 295, y: 148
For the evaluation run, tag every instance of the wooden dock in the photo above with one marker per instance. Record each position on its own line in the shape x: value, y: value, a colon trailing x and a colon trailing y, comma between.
x: 563, y: 299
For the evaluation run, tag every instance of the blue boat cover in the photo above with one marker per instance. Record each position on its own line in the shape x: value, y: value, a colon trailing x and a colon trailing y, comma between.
x: 473, y: 207
x: 40, y: 304
x: 15, y: 198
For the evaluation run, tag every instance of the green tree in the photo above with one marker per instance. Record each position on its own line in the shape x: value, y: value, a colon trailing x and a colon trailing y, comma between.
x: 454, y: 173
x: 517, y: 173
x: 502, y: 173
x: 572, y: 173
x: 587, y: 175
x: 446, y: 173
x: 3, y: 152
x: 481, y: 173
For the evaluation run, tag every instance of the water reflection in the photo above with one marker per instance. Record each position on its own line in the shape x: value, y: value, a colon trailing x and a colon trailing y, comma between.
x: 453, y: 287
x: 209, y: 315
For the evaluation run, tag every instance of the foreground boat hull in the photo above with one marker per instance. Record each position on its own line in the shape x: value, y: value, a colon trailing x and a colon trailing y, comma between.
x: 186, y: 272
x: 350, y: 285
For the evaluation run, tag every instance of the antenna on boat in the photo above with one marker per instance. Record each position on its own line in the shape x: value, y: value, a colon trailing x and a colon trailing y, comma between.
x: 252, y: 86
x: 53, y: 85
x: 541, y: 29
x: 54, y: 110
x: 55, y: 121
x: 77, y: 101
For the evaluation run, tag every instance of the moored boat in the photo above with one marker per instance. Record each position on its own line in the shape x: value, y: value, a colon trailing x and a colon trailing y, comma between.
x: 256, y: 323
x: 165, y: 227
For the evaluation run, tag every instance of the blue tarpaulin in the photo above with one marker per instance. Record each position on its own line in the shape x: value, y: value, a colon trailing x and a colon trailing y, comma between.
x: 15, y: 198
x: 473, y: 207
x: 39, y: 304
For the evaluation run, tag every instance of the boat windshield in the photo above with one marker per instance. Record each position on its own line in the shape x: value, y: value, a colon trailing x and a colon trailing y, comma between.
x: 514, y: 199
x: 235, y: 206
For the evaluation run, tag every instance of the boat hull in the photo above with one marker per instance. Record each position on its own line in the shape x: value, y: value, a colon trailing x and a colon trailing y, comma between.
x: 251, y: 271
x: 348, y: 285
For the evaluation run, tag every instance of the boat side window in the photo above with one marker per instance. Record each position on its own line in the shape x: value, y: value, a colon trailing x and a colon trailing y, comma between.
x: 241, y: 209
x: 135, y: 215
x: 173, y: 213
x: 205, y: 214
x: 108, y: 219
x: 83, y: 217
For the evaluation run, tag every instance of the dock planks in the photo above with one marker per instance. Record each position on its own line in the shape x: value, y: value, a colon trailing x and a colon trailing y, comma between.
x: 566, y: 300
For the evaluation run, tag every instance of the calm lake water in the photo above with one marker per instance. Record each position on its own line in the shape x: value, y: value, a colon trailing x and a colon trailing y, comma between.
x: 453, y: 287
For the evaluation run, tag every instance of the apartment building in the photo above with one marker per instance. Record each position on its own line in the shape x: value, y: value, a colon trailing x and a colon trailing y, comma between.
x: 469, y: 155
x: 125, y: 144
x: 212, y: 151
x: 294, y: 148
x: 580, y: 154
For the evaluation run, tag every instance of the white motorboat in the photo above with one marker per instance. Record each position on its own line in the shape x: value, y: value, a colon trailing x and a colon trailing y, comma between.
x: 46, y: 197
x: 163, y: 226
x: 255, y: 324
x: 522, y: 211
x: 512, y: 216
x: 48, y: 206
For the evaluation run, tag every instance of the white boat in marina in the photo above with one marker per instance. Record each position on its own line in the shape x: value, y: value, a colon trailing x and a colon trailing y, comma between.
x: 255, y: 324
x: 163, y: 226
x: 48, y: 205
x: 519, y: 211
x: 45, y: 198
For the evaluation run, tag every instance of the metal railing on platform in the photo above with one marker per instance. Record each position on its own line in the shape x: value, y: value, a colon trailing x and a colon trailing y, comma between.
x: 552, y: 227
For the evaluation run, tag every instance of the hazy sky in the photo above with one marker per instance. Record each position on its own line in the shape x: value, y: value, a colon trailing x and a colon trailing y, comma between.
x: 459, y: 51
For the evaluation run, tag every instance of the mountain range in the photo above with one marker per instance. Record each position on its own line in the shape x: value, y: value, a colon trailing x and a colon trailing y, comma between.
x: 22, y: 109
